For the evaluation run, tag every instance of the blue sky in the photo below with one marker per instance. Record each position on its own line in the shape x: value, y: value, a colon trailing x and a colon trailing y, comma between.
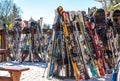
x: 46, y: 8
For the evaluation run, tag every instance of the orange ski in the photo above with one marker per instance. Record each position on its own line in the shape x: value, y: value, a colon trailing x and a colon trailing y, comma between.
x: 65, y: 30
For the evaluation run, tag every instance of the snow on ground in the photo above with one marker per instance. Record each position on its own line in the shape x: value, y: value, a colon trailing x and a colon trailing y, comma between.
x: 36, y: 72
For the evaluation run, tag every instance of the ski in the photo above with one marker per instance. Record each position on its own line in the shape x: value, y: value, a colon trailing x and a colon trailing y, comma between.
x: 66, y: 33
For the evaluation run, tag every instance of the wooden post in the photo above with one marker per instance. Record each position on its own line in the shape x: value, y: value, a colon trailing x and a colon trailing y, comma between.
x: 15, y: 75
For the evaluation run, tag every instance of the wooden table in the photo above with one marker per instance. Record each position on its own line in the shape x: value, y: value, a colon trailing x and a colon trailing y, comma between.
x: 15, y: 72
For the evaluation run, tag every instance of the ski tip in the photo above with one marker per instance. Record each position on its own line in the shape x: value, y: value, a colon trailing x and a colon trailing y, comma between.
x: 60, y: 10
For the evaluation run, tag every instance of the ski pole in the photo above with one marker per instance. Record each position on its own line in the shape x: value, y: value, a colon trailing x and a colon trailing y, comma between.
x: 44, y: 73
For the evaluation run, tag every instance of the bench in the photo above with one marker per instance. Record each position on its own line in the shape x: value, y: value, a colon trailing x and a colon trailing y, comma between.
x: 15, y: 73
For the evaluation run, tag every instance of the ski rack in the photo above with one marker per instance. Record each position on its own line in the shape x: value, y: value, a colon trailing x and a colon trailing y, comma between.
x: 79, y: 45
x: 107, y: 36
x: 67, y: 23
x: 18, y: 51
x: 33, y: 41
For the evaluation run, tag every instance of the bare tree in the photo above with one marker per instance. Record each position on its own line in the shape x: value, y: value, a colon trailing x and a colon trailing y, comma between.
x: 8, y: 11
x: 110, y: 5
x: 16, y: 11
x: 5, y: 9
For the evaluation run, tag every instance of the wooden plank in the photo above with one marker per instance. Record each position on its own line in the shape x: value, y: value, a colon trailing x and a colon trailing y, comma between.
x: 3, y: 51
x: 13, y: 68
x: 4, y: 78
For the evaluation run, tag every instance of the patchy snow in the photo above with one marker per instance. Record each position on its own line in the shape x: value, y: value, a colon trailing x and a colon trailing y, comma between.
x: 36, y: 72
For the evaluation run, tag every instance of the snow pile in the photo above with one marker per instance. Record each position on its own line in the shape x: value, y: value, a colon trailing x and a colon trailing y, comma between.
x: 36, y: 72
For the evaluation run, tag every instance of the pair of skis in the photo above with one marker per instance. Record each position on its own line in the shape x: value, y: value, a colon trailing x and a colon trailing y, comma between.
x: 62, y: 15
